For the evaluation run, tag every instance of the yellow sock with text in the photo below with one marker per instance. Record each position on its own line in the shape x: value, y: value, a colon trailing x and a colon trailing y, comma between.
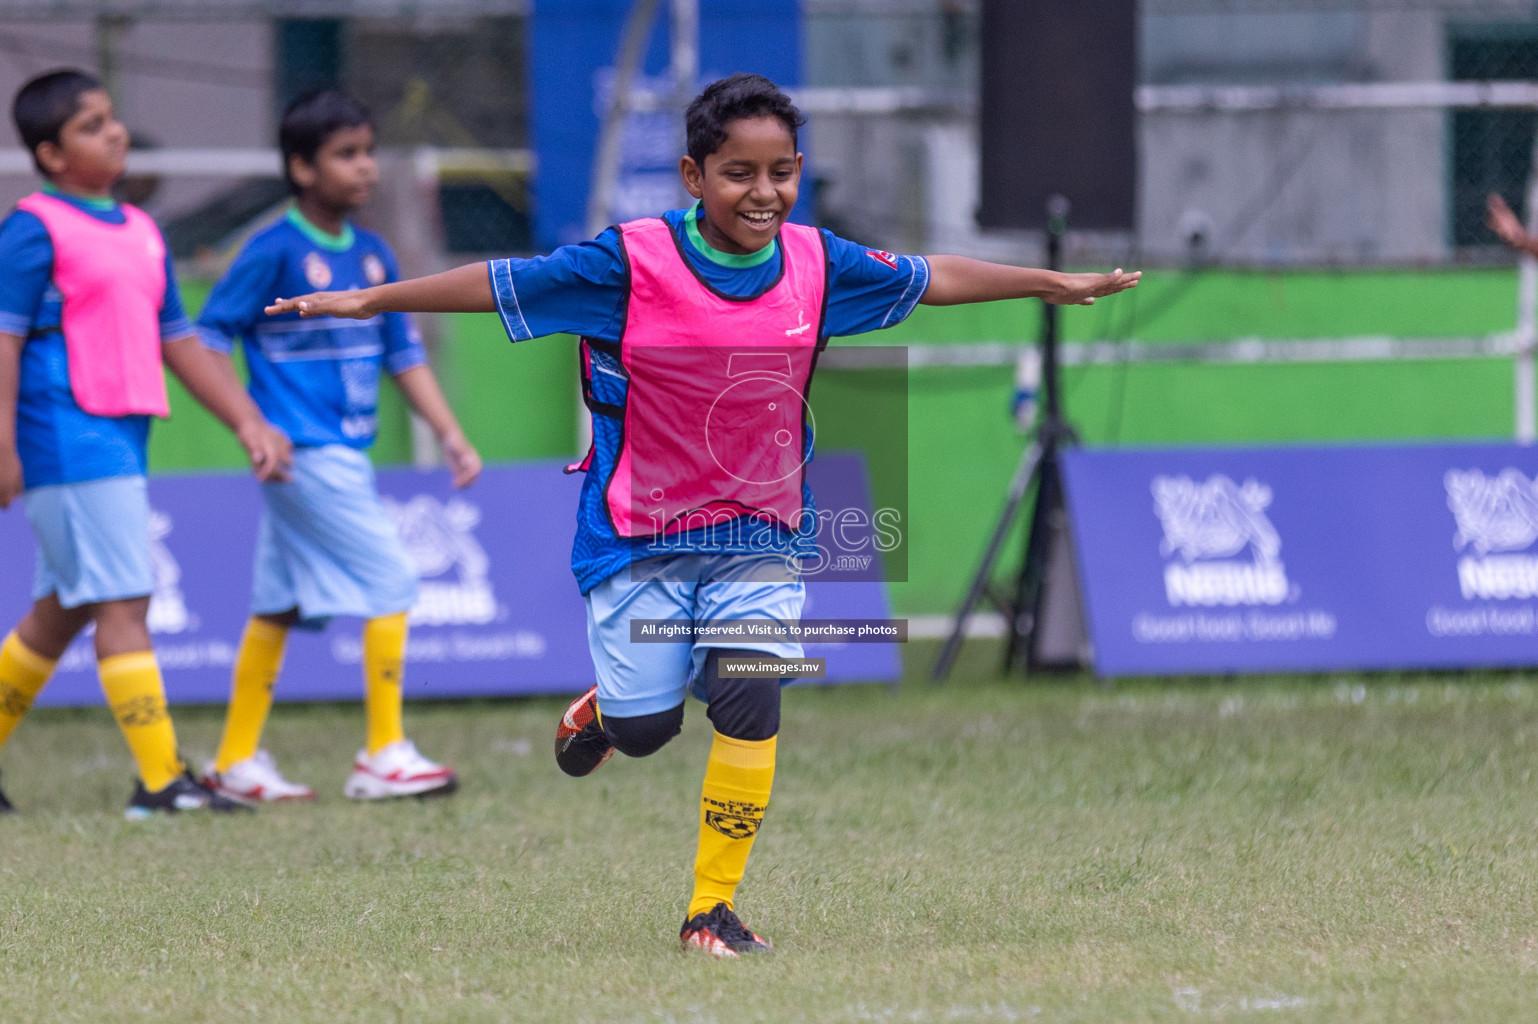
x: 384, y: 657
x: 137, y: 697
x: 256, y: 670
x: 22, y: 674
x: 738, y: 778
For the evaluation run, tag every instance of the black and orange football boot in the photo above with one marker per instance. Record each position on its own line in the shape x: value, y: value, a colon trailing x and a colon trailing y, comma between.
x: 721, y: 933
x: 580, y: 744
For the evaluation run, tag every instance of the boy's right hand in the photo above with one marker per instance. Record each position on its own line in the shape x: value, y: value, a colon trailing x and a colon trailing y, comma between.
x: 10, y: 476
x: 349, y: 305
x: 271, y: 453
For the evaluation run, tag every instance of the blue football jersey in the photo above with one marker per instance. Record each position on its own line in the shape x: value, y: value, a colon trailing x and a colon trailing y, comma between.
x: 583, y: 289
x: 315, y: 379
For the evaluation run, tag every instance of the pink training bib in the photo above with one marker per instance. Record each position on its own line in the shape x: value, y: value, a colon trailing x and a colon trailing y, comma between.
x: 113, y: 280
x: 716, y: 424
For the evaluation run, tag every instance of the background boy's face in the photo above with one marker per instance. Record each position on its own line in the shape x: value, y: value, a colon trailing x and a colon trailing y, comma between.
x: 344, y: 172
x: 92, y: 147
x: 748, y: 185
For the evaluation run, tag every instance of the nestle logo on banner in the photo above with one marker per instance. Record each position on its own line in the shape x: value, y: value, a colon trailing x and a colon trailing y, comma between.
x: 1205, y: 526
x: 168, y: 607
x: 1495, y: 515
x: 440, y: 536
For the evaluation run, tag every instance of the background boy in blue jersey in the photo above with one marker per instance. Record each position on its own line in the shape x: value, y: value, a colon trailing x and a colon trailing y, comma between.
x: 326, y: 546
x: 744, y: 168
x: 80, y: 475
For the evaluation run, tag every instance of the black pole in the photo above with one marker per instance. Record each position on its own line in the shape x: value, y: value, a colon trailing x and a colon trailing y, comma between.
x: 1053, y: 432
x: 1057, y: 223
x: 1038, y: 466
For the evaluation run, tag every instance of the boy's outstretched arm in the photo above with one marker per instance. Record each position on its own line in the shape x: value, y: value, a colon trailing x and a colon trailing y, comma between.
x: 954, y: 280
x: 210, y: 377
x: 465, y: 289
x: 425, y: 398
x: 10, y: 385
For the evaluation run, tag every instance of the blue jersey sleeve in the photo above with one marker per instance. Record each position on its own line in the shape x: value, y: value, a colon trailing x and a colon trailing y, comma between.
x: 869, y: 289
x: 26, y: 253
x: 403, y: 348
x: 237, y: 300
x: 173, y: 316
x: 578, y: 289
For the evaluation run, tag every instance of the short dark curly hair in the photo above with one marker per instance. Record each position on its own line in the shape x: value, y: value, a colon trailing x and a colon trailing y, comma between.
x: 45, y: 103
x: 311, y: 119
x: 731, y: 99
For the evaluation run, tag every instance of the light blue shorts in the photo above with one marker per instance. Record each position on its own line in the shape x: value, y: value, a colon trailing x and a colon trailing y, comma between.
x: 325, y: 544
x: 643, y: 679
x: 93, y: 540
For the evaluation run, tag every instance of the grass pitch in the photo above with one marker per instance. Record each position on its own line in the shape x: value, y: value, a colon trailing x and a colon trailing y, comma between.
x: 1344, y: 849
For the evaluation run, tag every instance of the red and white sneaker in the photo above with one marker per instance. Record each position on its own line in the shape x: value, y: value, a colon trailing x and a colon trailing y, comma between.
x: 256, y: 780
x: 721, y: 933
x: 580, y: 744
x: 398, y: 770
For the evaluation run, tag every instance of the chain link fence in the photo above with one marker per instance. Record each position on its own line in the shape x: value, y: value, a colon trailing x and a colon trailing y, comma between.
x: 1350, y: 161
x: 892, y: 91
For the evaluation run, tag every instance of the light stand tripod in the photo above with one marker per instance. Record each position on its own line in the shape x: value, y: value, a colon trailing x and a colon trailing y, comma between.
x: 1033, y: 602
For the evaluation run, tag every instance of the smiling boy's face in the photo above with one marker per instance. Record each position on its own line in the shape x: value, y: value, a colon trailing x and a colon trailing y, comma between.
x: 748, y: 186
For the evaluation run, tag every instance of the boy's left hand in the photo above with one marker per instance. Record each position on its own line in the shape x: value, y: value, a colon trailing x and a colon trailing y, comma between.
x: 463, y: 460
x: 1084, y: 289
x: 270, y: 451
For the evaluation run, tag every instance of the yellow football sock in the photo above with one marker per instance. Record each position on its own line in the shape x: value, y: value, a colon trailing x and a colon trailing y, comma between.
x: 737, y: 782
x: 384, y: 656
x: 137, y: 698
x: 256, y: 670
x: 22, y: 674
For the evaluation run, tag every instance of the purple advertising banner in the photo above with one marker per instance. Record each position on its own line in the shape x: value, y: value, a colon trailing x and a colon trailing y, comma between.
x: 498, y: 612
x: 1307, y: 559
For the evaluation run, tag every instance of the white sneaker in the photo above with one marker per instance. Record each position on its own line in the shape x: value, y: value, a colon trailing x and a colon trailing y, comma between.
x: 257, y: 780
x: 398, y: 770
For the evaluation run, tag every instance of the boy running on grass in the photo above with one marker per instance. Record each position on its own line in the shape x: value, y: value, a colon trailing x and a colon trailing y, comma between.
x: 325, y: 546
x: 694, y: 506
x: 89, y: 310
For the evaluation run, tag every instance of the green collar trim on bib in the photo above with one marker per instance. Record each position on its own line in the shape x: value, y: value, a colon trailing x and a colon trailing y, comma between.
x: 90, y: 202
x: 714, y: 255
x: 322, y: 238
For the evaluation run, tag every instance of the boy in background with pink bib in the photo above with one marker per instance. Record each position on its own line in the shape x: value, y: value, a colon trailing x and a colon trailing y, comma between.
x: 89, y: 312
x: 701, y: 329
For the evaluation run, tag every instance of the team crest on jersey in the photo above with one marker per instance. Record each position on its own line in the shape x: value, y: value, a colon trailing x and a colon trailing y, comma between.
x: 373, y: 269
x: 881, y: 256
x: 316, y: 270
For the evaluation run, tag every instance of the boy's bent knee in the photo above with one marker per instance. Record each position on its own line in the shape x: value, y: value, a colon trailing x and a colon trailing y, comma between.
x: 640, y: 735
x: 741, y: 709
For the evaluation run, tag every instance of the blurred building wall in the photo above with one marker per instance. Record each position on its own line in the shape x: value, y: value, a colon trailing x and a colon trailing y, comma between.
x: 1265, y: 188
x: 179, y: 84
x: 1293, y: 187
